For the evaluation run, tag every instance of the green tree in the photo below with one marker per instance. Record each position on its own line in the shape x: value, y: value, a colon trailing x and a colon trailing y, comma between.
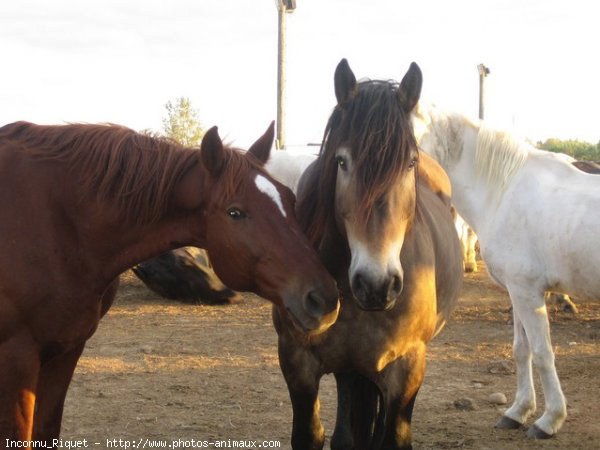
x: 182, y: 123
x: 572, y: 147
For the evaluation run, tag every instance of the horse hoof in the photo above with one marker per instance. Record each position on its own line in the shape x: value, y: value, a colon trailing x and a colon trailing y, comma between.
x: 534, y: 432
x: 506, y: 423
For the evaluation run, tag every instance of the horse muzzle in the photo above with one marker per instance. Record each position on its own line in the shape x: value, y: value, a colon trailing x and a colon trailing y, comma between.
x: 376, y: 295
x: 316, y: 310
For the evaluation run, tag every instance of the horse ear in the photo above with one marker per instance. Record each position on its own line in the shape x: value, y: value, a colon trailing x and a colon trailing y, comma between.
x: 410, y: 88
x: 345, y: 82
x: 261, y: 149
x: 211, y: 150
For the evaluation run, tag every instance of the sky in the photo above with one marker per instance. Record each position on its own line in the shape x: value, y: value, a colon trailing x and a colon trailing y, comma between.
x: 122, y: 61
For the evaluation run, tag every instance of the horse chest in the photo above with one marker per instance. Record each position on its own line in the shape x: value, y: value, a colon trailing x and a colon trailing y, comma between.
x: 366, y: 341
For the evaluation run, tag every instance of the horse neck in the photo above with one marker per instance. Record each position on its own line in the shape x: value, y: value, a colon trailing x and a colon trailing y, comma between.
x: 470, y: 194
x: 114, y: 245
x: 146, y: 241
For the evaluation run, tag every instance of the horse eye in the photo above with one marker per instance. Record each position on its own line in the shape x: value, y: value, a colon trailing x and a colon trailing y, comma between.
x: 341, y: 162
x: 413, y: 162
x: 236, y: 214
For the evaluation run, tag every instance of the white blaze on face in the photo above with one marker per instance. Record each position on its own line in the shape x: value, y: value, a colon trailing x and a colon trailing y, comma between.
x: 268, y: 188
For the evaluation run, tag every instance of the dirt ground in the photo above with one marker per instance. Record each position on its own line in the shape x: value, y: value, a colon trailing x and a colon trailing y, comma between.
x: 160, y: 370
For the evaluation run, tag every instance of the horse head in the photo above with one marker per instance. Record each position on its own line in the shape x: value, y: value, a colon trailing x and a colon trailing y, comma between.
x: 370, y: 141
x: 252, y: 236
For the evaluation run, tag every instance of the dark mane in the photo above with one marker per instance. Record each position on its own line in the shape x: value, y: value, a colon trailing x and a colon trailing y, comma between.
x: 137, y: 171
x: 378, y: 133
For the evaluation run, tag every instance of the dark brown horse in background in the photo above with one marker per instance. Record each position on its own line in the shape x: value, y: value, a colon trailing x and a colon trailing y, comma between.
x: 378, y: 212
x: 185, y: 274
x: 82, y: 203
x: 588, y: 166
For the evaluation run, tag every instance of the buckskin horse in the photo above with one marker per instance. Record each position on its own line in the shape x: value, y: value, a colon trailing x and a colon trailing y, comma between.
x: 537, y: 219
x: 82, y: 203
x: 378, y: 213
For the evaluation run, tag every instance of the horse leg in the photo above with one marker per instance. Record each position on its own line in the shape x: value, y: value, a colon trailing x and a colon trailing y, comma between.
x: 533, y: 315
x: 342, y: 435
x: 470, y: 253
x: 563, y: 302
x: 463, y: 250
x: 54, y: 380
x: 401, y: 384
x: 524, y: 404
x: 566, y: 304
x: 301, y: 373
x: 307, y: 431
x: 19, y: 366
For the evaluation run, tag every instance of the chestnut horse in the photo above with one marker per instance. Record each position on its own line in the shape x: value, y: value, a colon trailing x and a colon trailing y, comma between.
x: 385, y: 231
x: 82, y: 203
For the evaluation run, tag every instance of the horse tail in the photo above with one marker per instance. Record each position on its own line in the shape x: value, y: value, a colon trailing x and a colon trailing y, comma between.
x: 368, y: 414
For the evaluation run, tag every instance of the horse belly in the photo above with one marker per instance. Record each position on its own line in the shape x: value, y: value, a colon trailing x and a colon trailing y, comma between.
x: 569, y: 238
x: 575, y: 267
x: 550, y: 239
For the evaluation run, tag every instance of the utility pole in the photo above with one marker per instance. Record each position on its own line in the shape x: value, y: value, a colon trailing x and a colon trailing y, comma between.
x: 483, y: 73
x: 283, y: 7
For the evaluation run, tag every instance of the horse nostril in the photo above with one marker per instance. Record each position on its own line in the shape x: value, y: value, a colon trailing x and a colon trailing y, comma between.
x: 395, y: 287
x: 314, y: 304
x: 359, y: 285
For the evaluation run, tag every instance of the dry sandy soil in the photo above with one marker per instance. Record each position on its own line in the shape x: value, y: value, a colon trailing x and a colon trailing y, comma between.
x: 161, y: 370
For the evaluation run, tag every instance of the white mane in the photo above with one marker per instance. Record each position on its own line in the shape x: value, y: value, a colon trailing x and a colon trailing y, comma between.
x: 498, y: 157
x: 439, y: 132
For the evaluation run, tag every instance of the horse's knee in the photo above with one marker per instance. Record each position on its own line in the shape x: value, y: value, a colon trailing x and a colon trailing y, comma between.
x: 543, y: 358
x: 521, y: 352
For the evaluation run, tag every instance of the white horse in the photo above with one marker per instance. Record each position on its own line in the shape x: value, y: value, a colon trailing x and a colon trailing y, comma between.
x: 287, y: 166
x: 468, y: 244
x: 537, y: 218
x: 468, y: 241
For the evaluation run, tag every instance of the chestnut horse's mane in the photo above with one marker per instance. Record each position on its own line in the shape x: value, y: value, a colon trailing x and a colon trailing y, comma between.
x: 378, y: 133
x: 135, y: 170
